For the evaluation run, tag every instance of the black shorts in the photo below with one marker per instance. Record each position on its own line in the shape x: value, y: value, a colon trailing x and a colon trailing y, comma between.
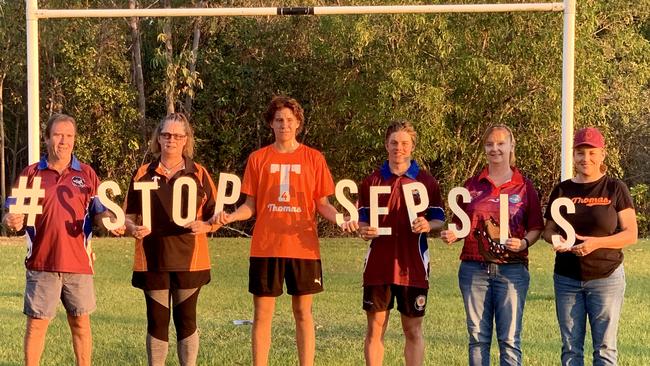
x: 411, y: 301
x: 151, y: 280
x: 266, y: 276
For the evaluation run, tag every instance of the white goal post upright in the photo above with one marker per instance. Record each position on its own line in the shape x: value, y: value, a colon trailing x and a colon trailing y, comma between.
x: 33, y: 102
x: 33, y: 14
x: 568, y: 68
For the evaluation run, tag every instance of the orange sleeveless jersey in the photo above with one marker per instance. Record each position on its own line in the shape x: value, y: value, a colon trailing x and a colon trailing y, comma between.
x: 286, y: 187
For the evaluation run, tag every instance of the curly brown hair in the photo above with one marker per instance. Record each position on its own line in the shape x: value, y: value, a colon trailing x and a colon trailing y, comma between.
x: 281, y: 101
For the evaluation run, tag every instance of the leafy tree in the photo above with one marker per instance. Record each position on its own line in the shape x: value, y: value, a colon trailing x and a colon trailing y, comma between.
x: 11, y: 64
x: 88, y: 76
x: 452, y: 75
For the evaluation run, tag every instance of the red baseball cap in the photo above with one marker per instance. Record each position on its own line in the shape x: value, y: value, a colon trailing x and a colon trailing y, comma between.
x: 589, y: 136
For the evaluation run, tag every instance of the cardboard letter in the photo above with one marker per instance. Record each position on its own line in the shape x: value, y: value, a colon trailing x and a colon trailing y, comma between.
x: 345, y: 202
x: 146, y: 188
x: 222, y: 199
x: 177, y: 204
x: 563, y: 223
x: 110, y: 205
x: 504, y: 218
x: 375, y: 210
x: 413, y: 209
x: 455, y: 208
x: 21, y: 194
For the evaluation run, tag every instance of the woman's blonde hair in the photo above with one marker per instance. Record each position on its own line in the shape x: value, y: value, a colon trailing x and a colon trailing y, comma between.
x: 188, y: 150
x: 491, y: 129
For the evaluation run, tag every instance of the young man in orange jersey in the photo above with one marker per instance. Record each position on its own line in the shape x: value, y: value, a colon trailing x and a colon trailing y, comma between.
x: 285, y: 182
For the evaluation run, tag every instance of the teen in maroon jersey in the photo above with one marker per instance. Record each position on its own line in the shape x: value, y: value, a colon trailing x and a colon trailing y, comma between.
x: 493, y: 277
x: 397, y: 265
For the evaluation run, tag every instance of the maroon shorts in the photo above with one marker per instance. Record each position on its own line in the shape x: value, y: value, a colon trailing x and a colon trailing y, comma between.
x: 267, y: 275
x: 411, y: 301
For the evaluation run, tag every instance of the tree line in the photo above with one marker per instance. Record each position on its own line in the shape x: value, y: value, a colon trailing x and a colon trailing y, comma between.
x: 451, y: 75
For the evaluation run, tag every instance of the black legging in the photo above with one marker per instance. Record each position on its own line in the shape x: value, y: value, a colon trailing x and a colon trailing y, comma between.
x: 158, y: 312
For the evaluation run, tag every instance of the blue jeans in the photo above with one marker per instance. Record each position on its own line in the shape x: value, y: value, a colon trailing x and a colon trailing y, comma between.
x: 601, y: 300
x: 494, y: 294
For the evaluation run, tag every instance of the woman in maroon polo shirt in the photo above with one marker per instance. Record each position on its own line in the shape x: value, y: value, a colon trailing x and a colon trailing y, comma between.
x: 493, y: 276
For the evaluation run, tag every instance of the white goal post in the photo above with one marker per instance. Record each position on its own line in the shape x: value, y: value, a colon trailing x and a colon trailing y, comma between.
x: 33, y: 14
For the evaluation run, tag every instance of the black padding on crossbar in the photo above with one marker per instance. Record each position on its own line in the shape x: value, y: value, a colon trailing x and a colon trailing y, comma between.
x: 296, y: 11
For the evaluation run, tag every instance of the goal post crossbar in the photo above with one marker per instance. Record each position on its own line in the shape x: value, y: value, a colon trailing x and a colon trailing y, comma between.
x: 318, y: 10
x: 568, y: 7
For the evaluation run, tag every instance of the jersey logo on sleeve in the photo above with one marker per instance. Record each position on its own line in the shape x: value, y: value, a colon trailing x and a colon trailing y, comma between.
x: 285, y: 171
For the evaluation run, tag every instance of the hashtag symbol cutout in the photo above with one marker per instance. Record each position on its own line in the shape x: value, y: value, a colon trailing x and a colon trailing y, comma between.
x: 24, y: 194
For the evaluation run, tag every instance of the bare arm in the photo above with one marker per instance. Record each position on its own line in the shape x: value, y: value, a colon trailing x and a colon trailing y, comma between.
x: 134, y: 230
x: 627, y: 236
x: 201, y: 227
x: 243, y: 212
x: 97, y: 219
x: 14, y: 221
x: 550, y: 229
x: 325, y: 209
x: 421, y: 225
x: 99, y: 222
x: 532, y: 236
x: 449, y: 237
x: 519, y: 244
x: 366, y: 232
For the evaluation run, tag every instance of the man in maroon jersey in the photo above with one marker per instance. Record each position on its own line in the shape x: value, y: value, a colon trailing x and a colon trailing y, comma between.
x: 59, y: 258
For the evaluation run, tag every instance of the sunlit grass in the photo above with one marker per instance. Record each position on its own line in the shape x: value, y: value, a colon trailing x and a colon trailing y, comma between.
x: 119, y: 324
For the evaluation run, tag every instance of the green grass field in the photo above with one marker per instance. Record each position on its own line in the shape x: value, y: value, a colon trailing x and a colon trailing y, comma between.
x: 119, y: 323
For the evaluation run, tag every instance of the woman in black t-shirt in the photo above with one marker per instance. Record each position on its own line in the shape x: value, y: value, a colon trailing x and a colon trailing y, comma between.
x: 589, y: 278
